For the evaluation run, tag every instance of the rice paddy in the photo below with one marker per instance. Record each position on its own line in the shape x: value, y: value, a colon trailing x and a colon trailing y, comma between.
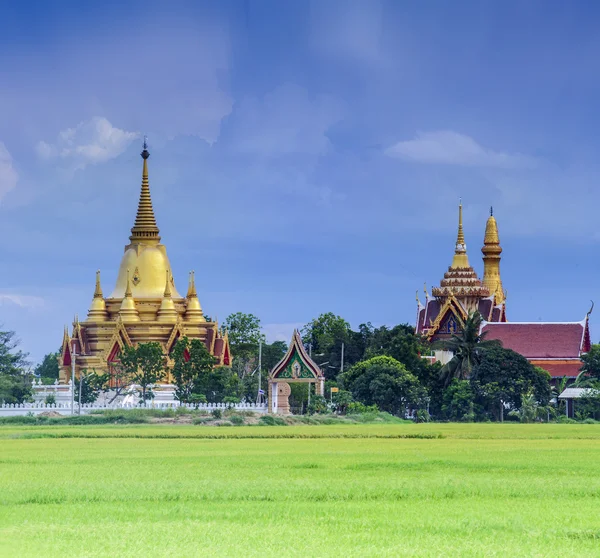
x: 344, y: 490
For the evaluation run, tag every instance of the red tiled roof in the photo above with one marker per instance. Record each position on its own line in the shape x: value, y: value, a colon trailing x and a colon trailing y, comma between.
x: 560, y: 368
x: 539, y: 340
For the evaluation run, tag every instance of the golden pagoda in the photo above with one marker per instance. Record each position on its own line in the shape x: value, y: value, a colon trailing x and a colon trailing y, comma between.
x: 144, y: 305
x: 491, y: 259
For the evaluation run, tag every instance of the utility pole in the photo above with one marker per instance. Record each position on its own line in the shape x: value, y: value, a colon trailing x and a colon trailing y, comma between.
x: 259, y: 396
x: 80, y: 390
x: 342, y: 363
x: 73, y: 355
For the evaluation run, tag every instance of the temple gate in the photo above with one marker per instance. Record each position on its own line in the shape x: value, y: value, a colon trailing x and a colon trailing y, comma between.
x: 295, y: 367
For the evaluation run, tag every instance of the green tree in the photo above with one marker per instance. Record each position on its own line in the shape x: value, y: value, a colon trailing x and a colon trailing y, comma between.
x: 325, y: 335
x: 272, y: 353
x: 192, y: 366
x: 459, y: 401
x: 468, y: 347
x: 48, y: 369
x: 15, y: 379
x: 385, y: 382
x: 223, y: 386
x: 144, y: 365
x: 590, y: 370
x: 91, y: 385
x: 505, y: 377
x: 244, y: 337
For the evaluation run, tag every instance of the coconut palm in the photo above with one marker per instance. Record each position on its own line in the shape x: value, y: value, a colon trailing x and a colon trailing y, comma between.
x: 467, y: 347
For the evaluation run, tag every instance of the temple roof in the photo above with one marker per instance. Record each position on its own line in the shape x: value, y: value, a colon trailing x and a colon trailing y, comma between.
x: 536, y: 340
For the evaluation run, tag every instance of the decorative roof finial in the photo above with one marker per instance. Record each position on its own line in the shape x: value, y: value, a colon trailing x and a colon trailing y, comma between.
x: 128, y: 289
x: 145, y: 229
x: 98, y: 290
x: 491, y: 210
x: 168, y: 286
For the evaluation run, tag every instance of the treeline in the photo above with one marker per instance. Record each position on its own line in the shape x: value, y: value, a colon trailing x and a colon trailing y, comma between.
x: 372, y: 368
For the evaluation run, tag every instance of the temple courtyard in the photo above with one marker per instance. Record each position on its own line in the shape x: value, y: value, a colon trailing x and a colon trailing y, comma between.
x: 344, y: 490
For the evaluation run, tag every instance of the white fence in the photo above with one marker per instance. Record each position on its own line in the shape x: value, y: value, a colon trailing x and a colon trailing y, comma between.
x: 20, y: 409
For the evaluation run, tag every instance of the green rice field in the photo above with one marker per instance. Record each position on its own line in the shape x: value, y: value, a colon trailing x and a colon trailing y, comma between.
x: 342, y: 490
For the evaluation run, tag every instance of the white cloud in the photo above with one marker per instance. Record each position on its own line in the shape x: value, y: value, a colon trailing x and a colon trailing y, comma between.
x: 451, y: 148
x: 23, y: 301
x: 8, y: 174
x: 286, y: 121
x: 92, y: 141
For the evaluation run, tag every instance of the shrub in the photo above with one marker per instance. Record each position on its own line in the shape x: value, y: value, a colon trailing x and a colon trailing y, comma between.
x: 236, y: 420
x: 216, y: 413
x: 358, y: 408
x: 50, y: 399
x: 318, y: 404
x: 270, y: 420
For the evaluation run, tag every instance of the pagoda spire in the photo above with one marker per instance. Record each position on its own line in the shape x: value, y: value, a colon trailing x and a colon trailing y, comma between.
x: 167, y: 311
x: 460, y: 259
x: 145, y: 230
x: 491, y: 260
x: 97, y: 309
x: 128, y: 311
x: 193, y: 312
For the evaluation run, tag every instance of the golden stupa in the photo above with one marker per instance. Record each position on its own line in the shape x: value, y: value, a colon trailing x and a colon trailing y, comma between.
x: 144, y: 305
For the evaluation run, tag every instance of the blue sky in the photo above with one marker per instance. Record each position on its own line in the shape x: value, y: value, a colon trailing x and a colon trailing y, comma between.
x: 305, y: 156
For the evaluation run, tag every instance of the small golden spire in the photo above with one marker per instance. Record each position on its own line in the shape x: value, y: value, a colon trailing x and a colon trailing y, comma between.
x: 128, y: 293
x: 98, y: 290
x: 97, y: 311
x: 460, y: 259
x: 145, y: 229
x: 167, y: 311
x: 425, y: 291
x: 167, y: 287
x: 491, y: 260
x: 193, y: 312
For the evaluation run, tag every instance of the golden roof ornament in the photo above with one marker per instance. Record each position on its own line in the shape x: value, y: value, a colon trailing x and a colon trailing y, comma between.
x: 97, y: 311
x: 128, y: 311
x: 145, y: 229
x: 167, y: 311
x: 491, y: 259
x: 193, y: 312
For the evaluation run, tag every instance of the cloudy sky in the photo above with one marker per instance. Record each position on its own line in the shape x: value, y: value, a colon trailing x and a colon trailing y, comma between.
x: 305, y: 156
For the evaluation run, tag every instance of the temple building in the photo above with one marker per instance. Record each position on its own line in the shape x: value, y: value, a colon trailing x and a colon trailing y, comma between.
x: 554, y: 346
x: 144, y: 305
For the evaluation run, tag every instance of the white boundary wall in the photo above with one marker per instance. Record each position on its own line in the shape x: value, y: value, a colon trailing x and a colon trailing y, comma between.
x: 10, y: 410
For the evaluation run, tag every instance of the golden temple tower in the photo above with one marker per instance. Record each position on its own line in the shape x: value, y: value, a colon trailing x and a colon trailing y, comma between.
x: 460, y: 281
x: 491, y: 259
x: 144, y: 305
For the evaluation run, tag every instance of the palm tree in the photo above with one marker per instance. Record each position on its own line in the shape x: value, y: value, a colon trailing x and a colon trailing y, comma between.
x: 467, y: 347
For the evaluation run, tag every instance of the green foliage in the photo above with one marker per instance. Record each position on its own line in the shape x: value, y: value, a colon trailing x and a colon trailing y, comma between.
x: 50, y: 399
x: 385, y: 382
x: 458, y: 401
x: 216, y: 413
x: 15, y: 380
x: 341, y: 401
x: 236, y: 420
x: 317, y: 405
x: 358, y: 408
x: 144, y: 365
x: 192, y: 368
x: 504, y: 376
x: 244, y: 337
x: 270, y: 420
x: 48, y: 369
x: 91, y: 385
x: 326, y: 334
x: 590, y: 369
x: 468, y: 348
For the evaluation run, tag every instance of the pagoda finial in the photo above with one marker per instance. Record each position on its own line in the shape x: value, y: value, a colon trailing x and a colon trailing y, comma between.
x: 168, y: 286
x: 128, y: 288
x: 145, y: 229
x: 460, y: 260
x: 193, y: 311
x: 491, y: 210
x: 491, y: 260
x: 98, y: 289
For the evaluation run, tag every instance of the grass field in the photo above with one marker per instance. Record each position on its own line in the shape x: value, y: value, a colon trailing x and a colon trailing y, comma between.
x: 344, y: 490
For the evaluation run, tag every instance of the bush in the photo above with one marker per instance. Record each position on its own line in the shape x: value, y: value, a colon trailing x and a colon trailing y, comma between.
x: 216, y: 413
x: 358, y: 408
x: 236, y: 420
x: 50, y: 399
x: 270, y: 420
x: 318, y: 404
